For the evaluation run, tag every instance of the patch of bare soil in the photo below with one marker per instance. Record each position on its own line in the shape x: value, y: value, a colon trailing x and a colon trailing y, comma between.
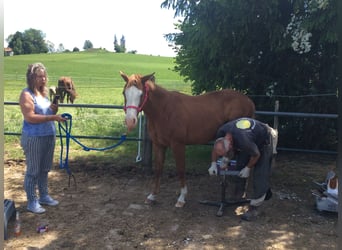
x: 107, y: 210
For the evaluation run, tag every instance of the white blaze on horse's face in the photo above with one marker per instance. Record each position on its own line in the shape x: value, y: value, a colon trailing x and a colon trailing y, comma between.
x: 133, y: 97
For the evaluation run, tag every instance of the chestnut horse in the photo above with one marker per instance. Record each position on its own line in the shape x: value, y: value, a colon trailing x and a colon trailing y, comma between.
x: 66, y: 88
x: 176, y: 120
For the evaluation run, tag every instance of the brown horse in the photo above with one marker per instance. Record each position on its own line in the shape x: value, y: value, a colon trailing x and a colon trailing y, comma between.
x: 66, y: 88
x: 176, y: 120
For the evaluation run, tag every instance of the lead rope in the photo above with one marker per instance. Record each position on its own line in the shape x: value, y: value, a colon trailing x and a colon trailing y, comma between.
x: 64, y: 164
x: 67, y: 129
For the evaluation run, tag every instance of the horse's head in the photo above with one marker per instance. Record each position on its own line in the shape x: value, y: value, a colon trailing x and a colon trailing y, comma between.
x: 135, y: 93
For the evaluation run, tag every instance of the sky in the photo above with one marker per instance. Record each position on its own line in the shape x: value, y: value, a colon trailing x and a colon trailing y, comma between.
x: 72, y: 22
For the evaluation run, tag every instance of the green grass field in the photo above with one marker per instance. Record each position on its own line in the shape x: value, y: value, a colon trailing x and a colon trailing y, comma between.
x: 97, y: 80
x: 94, y: 73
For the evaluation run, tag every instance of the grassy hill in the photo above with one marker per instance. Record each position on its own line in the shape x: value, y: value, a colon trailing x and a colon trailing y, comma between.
x: 93, y: 72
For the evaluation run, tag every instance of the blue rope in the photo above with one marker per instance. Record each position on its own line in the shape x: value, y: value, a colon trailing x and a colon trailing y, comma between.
x: 63, y: 164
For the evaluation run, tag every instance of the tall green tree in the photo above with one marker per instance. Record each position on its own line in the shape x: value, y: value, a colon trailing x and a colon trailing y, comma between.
x: 266, y: 48
x: 123, y: 44
x: 87, y: 45
x: 116, y: 44
x: 51, y: 46
x: 248, y: 44
x: 31, y: 41
x: 16, y: 43
x: 60, y: 48
x: 119, y: 48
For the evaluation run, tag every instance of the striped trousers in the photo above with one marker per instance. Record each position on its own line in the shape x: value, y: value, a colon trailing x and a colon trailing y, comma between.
x: 39, y: 152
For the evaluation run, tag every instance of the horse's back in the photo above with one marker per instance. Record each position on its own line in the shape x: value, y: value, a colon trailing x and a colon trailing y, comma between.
x: 195, y: 119
x: 236, y: 105
x: 226, y: 103
x: 218, y: 108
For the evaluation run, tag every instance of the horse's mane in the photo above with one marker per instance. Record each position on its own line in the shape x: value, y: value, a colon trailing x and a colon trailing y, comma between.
x: 153, y: 86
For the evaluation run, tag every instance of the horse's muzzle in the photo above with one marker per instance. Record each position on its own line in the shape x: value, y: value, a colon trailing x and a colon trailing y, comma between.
x: 131, y: 123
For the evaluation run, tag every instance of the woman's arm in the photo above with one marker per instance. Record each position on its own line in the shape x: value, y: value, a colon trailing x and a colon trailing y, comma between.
x: 27, y: 109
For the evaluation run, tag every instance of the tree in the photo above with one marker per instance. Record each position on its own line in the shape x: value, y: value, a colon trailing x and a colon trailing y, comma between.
x: 75, y: 49
x: 51, y: 46
x: 16, y: 43
x: 218, y: 48
x: 264, y: 48
x: 9, y: 38
x: 87, y: 45
x: 116, y: 45
x: 123, y: 44
x: 31, y: 41
x: 132, y: 52
x: 61, y: 48
x: 120, y: 48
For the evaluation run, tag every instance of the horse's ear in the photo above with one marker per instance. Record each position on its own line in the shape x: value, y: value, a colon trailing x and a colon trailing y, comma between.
x: 148, y: 77
x: 124, y: 76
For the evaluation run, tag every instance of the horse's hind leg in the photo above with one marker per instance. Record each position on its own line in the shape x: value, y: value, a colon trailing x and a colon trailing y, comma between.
x: 179, y: 155
x: 159, y: 159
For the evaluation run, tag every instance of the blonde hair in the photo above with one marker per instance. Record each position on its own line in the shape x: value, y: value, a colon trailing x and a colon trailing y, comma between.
x: 31, y: 77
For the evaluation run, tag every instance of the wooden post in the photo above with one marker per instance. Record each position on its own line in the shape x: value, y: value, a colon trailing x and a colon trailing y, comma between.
x: 275, y: 126
x: 147, y: 149
x: 339, y: 121
x: 276, y: 109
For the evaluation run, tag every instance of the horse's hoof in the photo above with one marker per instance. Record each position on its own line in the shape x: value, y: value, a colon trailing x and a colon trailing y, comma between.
x: 180, y: 204
x: 150, y: 202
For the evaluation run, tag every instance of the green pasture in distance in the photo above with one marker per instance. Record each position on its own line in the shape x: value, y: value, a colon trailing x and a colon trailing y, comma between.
x: 95, y: 69
x: 97, y: 80
x: 95, y: 74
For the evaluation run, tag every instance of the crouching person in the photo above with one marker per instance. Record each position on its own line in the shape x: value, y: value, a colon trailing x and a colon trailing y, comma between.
x: 252, y: 142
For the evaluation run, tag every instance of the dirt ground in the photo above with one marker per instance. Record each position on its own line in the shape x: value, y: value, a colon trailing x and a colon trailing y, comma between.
x: 107, y: 210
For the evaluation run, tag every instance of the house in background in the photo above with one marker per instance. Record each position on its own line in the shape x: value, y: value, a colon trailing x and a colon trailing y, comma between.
x: 8, y: 51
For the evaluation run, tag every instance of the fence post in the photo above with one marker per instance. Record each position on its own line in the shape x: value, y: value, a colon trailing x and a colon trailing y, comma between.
x: 275, y: 126
x: 147, y: 149
x: 276, y: 120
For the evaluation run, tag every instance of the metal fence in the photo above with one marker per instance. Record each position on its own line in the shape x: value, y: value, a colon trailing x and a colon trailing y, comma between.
x: 276, y: 114
x: 142, y: 130
x: 137, y: 139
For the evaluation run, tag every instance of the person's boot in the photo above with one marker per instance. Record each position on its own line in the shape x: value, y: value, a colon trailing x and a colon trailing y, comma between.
x: 34, y: 207
x: 251, y: 213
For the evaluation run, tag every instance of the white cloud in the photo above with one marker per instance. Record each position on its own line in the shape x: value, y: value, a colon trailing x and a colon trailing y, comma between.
x: 143, y: 23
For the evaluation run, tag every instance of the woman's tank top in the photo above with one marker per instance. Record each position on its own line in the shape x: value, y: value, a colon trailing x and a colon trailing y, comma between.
x: 41, y: 106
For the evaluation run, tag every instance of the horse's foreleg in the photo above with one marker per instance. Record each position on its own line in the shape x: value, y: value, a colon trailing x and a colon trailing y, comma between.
x: 159, y: 158
x: 179, y: 155
x: 62, y: 96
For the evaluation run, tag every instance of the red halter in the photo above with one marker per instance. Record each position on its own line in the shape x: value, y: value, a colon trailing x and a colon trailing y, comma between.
x: 143, y: 103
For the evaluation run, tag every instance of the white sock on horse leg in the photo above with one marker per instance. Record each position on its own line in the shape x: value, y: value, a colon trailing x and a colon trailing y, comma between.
x: 152, y: 197
x: 184, y: 192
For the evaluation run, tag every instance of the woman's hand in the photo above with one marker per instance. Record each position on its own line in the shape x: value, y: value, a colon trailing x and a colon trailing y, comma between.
x: 60, y: 118
x: 54, y: 108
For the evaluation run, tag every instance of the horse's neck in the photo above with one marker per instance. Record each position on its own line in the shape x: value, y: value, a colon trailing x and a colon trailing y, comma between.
x: 157, y: 95
x: 157, y: 92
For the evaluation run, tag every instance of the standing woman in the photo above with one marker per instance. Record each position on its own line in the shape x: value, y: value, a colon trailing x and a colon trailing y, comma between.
x: 38, y: 136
